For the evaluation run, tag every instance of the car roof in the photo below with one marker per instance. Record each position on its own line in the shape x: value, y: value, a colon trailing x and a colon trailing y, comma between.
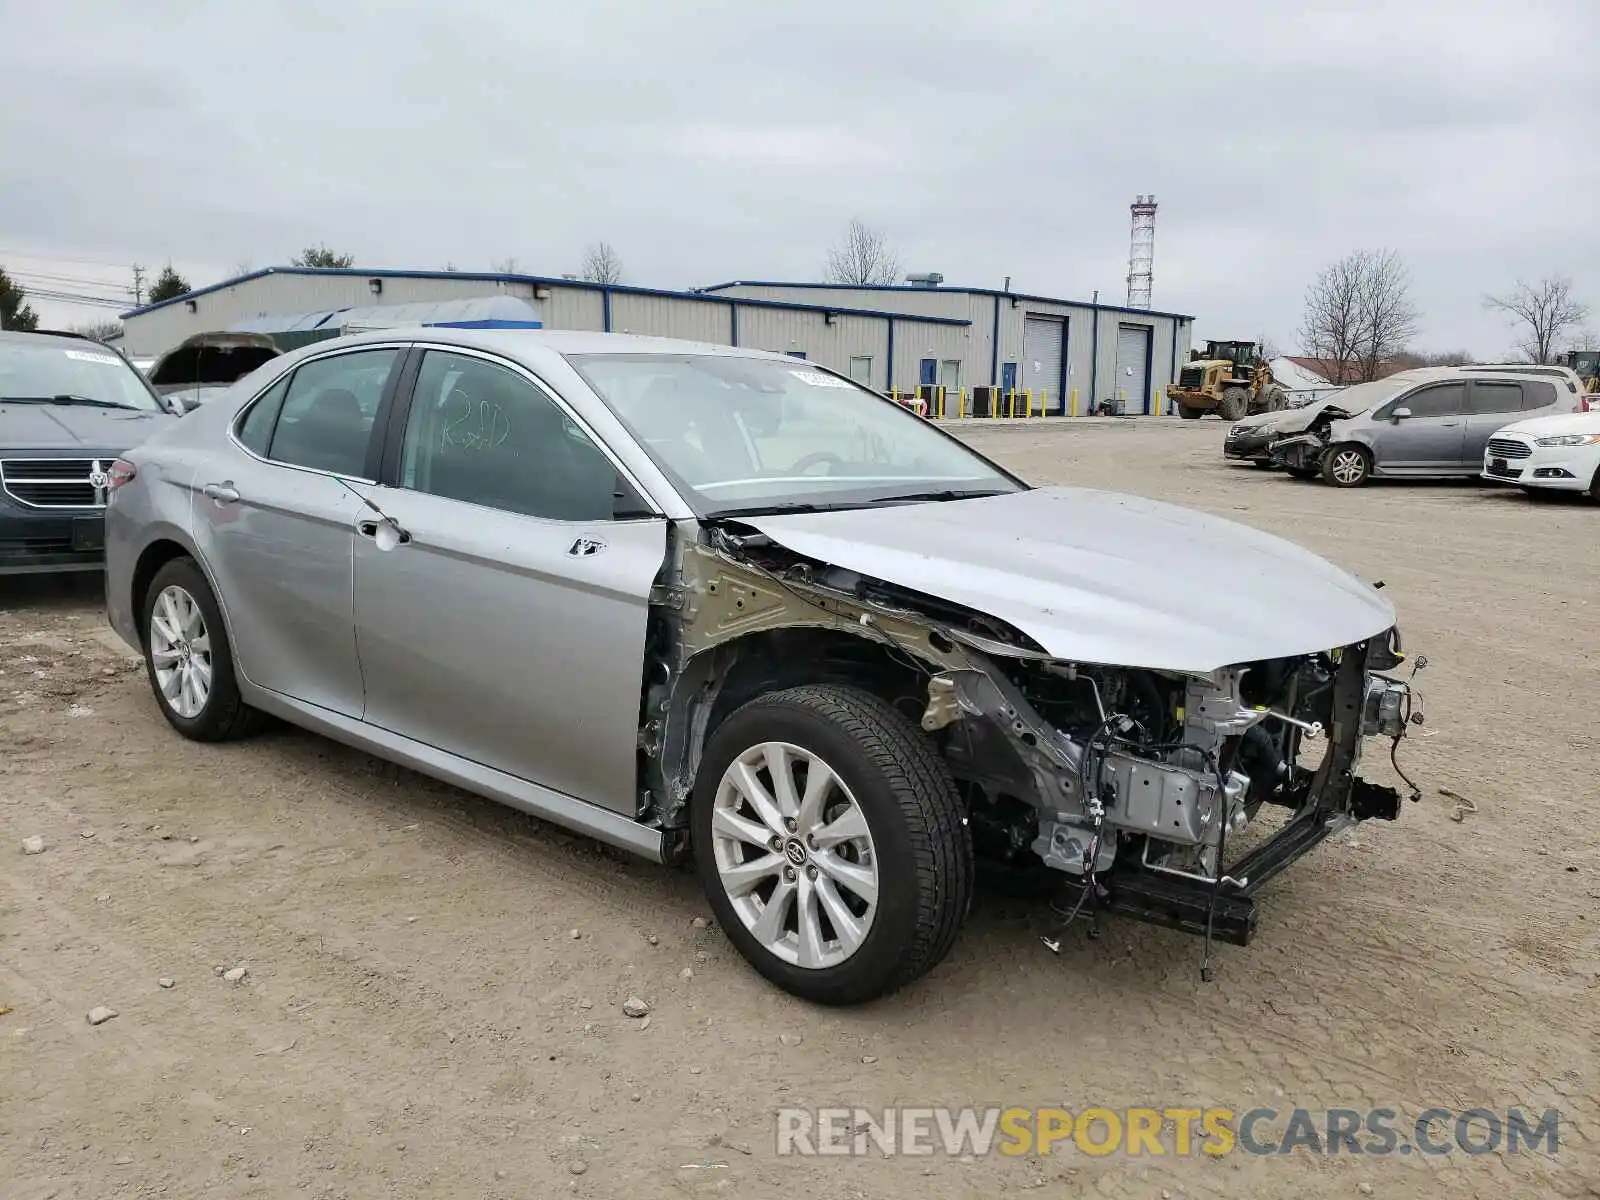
x: 67, y: 341
x: 523, y: 343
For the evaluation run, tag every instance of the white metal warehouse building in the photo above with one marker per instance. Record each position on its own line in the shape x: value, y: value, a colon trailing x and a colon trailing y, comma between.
x: 1069, y: 355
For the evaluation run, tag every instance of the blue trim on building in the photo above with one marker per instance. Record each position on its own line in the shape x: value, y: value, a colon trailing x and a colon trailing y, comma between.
x: 888, y: 370
x: 964, y: 291
x: 1094, y: 365
x: 605, y: 310
x: 994, y: 344
x: 540, y: 281
x: 1066, y: 361
x: 733, y: 324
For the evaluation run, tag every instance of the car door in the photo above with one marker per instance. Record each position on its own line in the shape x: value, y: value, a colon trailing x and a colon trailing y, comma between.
x: 275, y: 523
x: 506, y: 624
x: 1422, y: 431
x: 1491, y: 406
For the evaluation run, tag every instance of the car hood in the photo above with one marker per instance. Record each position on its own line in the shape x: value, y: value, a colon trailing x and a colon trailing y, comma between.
x: 1256, y: 423
x: 1588, y: 422
x: 1098, y: 577
x: 75, y: 427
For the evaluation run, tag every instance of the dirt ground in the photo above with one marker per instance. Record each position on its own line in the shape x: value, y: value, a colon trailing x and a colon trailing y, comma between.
x: 432, y: 1004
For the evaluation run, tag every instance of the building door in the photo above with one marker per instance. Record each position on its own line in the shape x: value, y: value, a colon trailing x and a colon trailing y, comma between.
x: 950, y: 377
x: 861, y: 371
x: 1008, y: 377
x: 928, y: 372
x: 1043, y: 352
x: 1133, y: 369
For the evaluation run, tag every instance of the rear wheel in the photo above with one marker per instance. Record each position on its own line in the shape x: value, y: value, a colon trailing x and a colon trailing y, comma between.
x: 1189, y: 413
x: 1277, y: 400
x: 1346, y: 466
x: 829, y: 839
x: 1235, y: 403
x: 188, y: 659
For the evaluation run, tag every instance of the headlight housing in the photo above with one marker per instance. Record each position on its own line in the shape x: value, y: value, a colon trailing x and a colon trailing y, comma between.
x: 1570, y: 439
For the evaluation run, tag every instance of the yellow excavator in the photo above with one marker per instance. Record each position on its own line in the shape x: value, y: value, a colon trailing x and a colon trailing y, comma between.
x: 1230, y: 379
x: 1587, y: 364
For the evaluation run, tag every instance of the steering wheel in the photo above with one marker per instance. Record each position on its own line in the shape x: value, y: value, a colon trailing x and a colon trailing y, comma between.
x: 815, y: 457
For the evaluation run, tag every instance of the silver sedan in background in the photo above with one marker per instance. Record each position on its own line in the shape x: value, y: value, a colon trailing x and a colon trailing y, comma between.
x: 706, y: 602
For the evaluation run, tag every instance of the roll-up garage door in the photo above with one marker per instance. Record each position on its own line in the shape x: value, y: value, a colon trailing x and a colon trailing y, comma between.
x: 1043, y: 341
x: 1133, y: 367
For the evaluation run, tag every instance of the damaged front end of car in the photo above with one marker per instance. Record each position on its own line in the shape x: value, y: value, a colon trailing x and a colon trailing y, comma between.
x: 1302, y: 451
x: 1131, y: 788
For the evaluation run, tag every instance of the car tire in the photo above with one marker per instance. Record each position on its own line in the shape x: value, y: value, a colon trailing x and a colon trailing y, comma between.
x: 188, y: 658
x: 1301, y: 472
x: 1235, y: 404
x: 1277, y: 400
x: 1188, y: 413
x: 1346, y: 465
x: 908, y: 847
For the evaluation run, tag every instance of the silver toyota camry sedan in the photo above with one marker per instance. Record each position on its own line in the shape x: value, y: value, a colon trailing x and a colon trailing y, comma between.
x: 713, y: 604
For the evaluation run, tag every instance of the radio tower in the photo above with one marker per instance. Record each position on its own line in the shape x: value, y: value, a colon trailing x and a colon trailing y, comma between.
x: 1142, y: 251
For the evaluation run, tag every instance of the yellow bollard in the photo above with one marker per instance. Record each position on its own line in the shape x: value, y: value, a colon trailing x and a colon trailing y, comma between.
x: 1072, y: 403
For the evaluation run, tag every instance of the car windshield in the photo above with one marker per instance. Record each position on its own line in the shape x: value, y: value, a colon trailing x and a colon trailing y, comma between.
x: 53, y: 372
x: 745, y: 435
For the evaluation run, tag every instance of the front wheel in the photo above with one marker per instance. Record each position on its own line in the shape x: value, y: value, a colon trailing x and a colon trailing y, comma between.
x: 188, y: 659
x: 1189, y: 413
x: 1301, y: 472
x: 1235, y: 403
x: 1346, y: 466
x: 829, y: 840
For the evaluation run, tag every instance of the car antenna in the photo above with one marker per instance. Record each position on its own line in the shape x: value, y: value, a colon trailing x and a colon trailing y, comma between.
x: 397, y: 533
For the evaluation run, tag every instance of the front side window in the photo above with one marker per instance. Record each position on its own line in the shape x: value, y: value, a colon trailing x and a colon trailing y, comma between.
x: 742, y: 434
x: 328, y: 412
x: 481, y: 433
x: 1446, y: 400
x: 45, y: 371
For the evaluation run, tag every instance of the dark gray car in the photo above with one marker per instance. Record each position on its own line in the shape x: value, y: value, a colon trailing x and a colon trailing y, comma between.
x: 68, y: 408
x: 1428, y: 423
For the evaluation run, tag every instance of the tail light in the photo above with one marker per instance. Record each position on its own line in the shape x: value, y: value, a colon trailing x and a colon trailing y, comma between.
x: 122, y: 471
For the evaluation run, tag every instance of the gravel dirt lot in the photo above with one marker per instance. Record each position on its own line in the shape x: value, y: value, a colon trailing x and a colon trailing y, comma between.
x: 434, y: 988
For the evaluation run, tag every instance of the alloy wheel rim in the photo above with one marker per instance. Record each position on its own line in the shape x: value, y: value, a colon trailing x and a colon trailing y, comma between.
x: 795, y: 855
x: 180, y: 649
x: 1347, y: 467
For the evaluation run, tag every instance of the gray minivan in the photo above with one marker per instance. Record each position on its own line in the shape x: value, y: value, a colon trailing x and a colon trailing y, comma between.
x: 1427, y: 423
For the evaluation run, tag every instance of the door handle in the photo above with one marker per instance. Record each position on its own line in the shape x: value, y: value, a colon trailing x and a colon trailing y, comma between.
x: 1448, y: 424
x: 369, y: 529
x: 222, y: 493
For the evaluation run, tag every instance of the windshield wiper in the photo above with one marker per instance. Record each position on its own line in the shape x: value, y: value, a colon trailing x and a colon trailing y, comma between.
x: 773, y: 510
x: 943, y: 494
x: 65, y: 398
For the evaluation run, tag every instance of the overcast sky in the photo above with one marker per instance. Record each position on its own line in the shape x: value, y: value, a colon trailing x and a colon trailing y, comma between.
x: 711, y: 141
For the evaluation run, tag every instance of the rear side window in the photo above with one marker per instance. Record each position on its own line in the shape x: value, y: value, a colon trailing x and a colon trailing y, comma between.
x: 255, y: 431
x: 1540, y: 394
x: 328, y: 412
x: 1499, y: 397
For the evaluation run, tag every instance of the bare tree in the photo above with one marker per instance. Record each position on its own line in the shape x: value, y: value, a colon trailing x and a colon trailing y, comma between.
x: 1388, y: 318
x: 504, y: 266
x: 320, y: 256
x: 100, y: 331
x: 863, y: 256
x: 602, y: 263
x: 1358, y: 315
x: 1266, y: 347
x: 1542, y: 313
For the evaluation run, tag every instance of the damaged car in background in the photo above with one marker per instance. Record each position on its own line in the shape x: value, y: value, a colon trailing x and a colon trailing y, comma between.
x: 1427, y: 423
x: 711, y: 604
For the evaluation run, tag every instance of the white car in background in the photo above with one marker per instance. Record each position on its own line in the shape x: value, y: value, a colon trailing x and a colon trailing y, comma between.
x: 1561, y: 453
